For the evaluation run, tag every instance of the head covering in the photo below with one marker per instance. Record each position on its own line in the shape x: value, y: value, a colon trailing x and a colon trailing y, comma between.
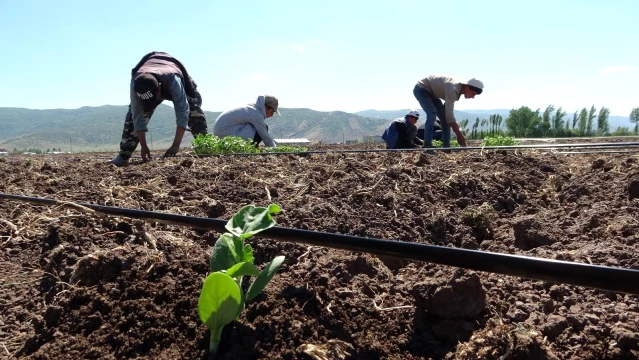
x: 475, y: 85
x: 413, y: 113
x: 146, y: 88
x: 271, y: 101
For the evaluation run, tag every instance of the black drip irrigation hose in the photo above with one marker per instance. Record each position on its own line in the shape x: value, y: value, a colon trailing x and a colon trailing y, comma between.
x: 593, y: 276
x: 619, y: 145
x: 468, y: 148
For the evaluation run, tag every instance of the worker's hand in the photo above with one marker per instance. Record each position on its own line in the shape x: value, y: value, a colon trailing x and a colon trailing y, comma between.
x: 172, y: 151
x: 146, y: 153
x: 461, y: 140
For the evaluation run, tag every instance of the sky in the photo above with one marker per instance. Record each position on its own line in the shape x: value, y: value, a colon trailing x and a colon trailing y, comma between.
x: 327, y: 55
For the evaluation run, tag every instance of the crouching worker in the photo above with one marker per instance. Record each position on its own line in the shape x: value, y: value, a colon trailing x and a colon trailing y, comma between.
x: 402, y: 132
x: 158, y: 77
x: 248, y: 121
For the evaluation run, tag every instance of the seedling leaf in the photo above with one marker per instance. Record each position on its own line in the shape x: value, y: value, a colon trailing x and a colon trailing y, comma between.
x: 264, y: 277
x: 274, y: 209
x: 224, y: 253
x: 252, y: 219
x: 243, y: 269
x: 248, y: 254
x: 218, y: 304
x: 238, y: 248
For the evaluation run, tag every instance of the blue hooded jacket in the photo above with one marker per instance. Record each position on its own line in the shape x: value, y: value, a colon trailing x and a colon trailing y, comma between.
x: 396, y: 135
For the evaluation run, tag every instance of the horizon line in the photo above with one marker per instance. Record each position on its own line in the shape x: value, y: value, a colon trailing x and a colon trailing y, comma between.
x: 305, y: 108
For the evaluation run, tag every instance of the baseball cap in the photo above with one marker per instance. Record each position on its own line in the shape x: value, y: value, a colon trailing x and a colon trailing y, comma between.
x: 475, y: 85
x: 146, y: 88
x: 414, y: 113
x: 271, y: 101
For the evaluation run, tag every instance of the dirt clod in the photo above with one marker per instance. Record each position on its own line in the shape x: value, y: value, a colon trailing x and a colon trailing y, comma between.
x: 633, y: 188
x: 460, y: 296
x: 530, y: 234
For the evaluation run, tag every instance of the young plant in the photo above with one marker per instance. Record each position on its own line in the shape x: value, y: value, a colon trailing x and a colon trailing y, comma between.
x: 222, y: 299
x: 284, y: 148
x: 209, y: 145
x: 439, y: 143
x: 500, y: 141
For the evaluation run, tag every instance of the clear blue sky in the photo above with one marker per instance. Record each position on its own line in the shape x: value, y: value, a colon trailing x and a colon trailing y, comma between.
x: 326, y: 55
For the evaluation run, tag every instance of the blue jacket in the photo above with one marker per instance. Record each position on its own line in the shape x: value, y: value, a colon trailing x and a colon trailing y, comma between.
x: 400, y: 134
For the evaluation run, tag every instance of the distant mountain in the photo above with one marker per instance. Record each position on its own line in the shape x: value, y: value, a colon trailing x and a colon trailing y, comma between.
x: 100, y: 128
x: 620, y: 121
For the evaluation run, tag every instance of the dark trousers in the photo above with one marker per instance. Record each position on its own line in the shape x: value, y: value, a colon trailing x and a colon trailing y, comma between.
x: 257, y: 139
x: 197, y: 125
x: 433, y: 107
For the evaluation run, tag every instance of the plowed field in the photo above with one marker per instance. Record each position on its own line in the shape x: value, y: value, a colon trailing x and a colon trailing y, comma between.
x: 75, y: 285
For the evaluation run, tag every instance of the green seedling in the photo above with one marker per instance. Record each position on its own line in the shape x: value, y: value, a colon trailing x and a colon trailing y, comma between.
x: 499, y: 141
x: 209, y: 145
x: 231, y: 261
x: 284, y: 148
x: 439, y: 143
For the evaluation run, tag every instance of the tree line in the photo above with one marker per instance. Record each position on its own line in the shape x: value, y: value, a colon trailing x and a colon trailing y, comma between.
x: 552, y: 122
x: 34, y: 150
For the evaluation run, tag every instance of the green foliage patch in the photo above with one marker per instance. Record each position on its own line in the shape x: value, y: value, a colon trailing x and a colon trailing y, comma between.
x: 500, y: 141
x: 209, y: 145
x: 439, y: 143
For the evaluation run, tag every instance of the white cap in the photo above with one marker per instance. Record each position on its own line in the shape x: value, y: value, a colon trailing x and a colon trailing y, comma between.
x: 414, y: 113
x: 476, y: 83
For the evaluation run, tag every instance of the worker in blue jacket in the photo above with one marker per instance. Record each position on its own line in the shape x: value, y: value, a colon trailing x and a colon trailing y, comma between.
x: 401, y: 133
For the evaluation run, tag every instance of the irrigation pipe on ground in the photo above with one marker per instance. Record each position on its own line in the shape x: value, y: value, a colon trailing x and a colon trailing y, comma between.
x: 619, y: 145
x: 593, y: 276
x: 507, y: 147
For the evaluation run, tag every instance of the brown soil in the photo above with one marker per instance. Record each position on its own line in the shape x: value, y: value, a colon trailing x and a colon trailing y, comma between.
x: 75, y: 285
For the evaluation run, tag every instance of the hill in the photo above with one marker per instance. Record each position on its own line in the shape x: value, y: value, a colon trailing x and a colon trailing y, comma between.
x: 100, y: 128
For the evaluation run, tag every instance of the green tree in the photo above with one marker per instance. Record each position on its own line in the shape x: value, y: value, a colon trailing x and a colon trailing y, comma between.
x: 558, y: 119
x: 492, y: 123
x: 583, y: 122
x: 462, y: 125
x: 475, y: 132
x: 482, y: 124
x: 546, y: 124
x: 634, y: 118
x: 523, y: 122
x: 591, y: 119
x: 575, y: 119
x: 603, y: 127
